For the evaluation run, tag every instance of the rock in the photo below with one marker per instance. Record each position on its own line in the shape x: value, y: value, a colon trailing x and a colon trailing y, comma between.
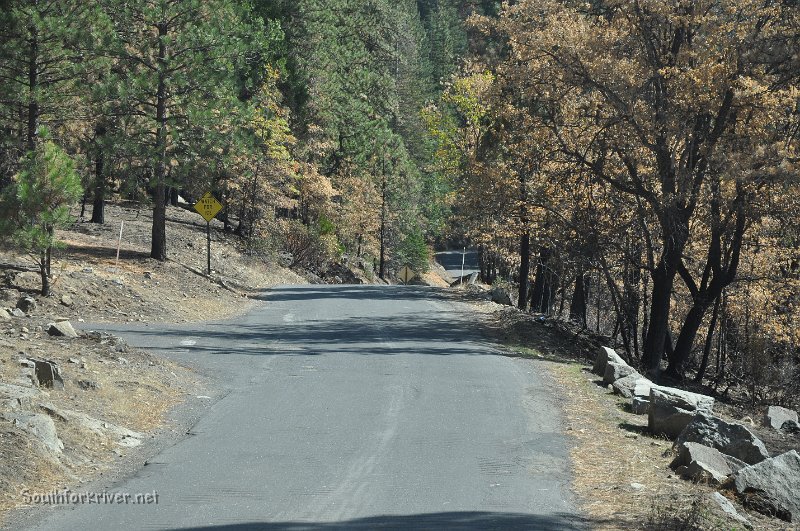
x: 729, y: 509
x: 626, y: 385
x: 67, y: 301
x: 642, y: 388
x: 16, y: 312
x: 633, y: 385
x: 26, y: 304
x: 729, y: 438
x: 4, y: 315
x: 615, y: 371
x: 148, y: 275
x: 604, y: 356
x: 62, y: 329
x: 88, y: 270
x: 640, y: 406
x: 121, y: 436
x: 88, y: 385
x: 671, y: 410
x: 771, y: 487
x: 701, y: 463
x: 48, y: 375
x: 776, y: 416
x: 791, y: 426
x: 25, y: 362
x: 40, y: 426
x: 501, y: 296
x: 16, y: 396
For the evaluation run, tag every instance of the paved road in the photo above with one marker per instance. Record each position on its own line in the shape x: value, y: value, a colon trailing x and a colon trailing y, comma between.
x: 451, y: 261
x: 351, y: 408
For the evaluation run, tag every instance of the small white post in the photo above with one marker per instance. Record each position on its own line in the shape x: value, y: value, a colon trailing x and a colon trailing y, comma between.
x: 463, y: 260
x: 119, y: 242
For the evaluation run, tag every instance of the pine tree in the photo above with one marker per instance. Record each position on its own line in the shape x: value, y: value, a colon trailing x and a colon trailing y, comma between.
x: 180, y: 59
x: 38, y: 201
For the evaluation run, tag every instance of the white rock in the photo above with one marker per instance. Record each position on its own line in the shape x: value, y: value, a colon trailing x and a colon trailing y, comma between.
x: 776, y: 416
x: 729, y: 509
x: 604, y: 356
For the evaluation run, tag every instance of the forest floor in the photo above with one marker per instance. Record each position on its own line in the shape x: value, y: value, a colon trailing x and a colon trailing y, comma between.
x: 621, y: 472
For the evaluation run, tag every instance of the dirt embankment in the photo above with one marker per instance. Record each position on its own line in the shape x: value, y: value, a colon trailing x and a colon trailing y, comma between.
x: 114, y: 398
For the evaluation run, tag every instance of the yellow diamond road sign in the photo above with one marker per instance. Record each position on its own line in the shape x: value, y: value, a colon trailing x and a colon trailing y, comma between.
x: 208, y: 207
x: 406, y: 274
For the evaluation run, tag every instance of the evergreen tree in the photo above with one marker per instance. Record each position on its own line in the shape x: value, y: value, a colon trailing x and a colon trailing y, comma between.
x: 180, y: 60
x: 43, y: 71
x: 38, y: 201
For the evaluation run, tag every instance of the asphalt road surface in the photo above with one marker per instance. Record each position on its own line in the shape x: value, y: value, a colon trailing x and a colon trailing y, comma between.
x: 451, y: 261
x: 351, y: 408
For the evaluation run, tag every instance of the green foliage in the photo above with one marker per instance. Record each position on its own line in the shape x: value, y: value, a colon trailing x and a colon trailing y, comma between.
x: 325, y: 226
x: 308, y: 246
x: 413, y: 251
x: 47, y: 69
x: 307, y: 110
x: 38, y: 201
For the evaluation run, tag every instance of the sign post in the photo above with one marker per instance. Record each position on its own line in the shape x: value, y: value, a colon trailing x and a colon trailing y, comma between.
x: 463, y: 261
x: 406, y: 274
x: 208, y: 207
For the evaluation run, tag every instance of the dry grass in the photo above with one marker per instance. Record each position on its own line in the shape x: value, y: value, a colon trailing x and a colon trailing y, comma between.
x: 621, y: 473
x: 619, y: 469
x: 135, y: 391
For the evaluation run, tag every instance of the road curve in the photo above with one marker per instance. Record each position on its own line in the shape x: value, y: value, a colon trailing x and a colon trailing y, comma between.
x: 351, y: 407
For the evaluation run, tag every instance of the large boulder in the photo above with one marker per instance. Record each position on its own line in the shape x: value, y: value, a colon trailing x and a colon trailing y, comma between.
x: 729, y: 438
x: 771, y: 487
x: 702, y: 463
x: 640, y: 406
x: 14, y: 397
x: 671, y: 410
x: 48, y: 374
x: 728, y: 508
x: 615, y: 371
x: 120, y: 435
x: 502, y: 296
x: 604, y: 356
x: 26, y: 304
x: 642, y: 388
x: 626, y: 385
x: 791, y: 427
x: 776, y: 416
x: 62, y: 329
x: 40, y: 426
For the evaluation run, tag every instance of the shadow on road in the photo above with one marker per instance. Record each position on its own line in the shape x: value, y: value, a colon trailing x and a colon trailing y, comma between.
x: 405, y: 330
x: 430, y: 334
x: 453, y: 521
x: 353, y: 292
